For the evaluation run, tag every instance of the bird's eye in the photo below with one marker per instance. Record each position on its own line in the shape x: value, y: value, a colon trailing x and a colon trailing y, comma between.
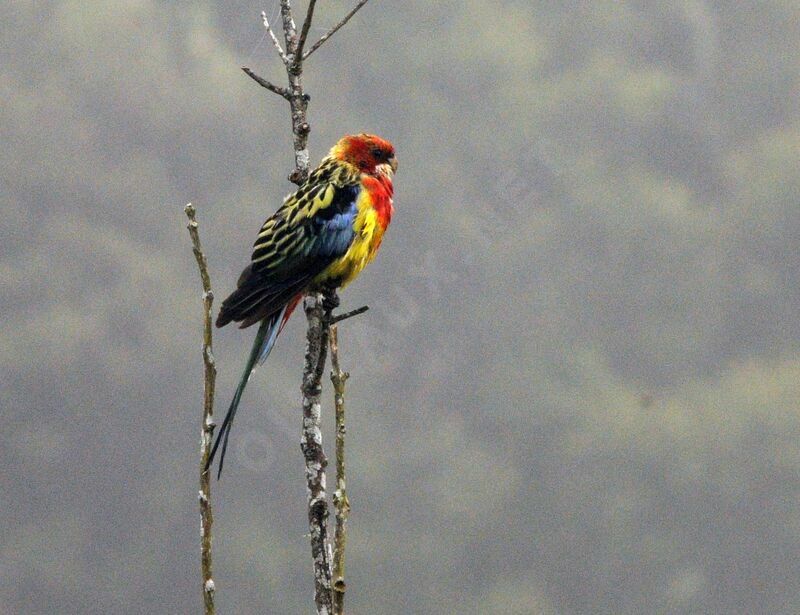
x: 377, y: 153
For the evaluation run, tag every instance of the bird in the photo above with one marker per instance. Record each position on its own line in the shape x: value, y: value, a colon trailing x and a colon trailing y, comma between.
x: 320, y: 239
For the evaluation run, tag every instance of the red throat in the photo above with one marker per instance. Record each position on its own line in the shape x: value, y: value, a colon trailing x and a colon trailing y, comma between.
x: 381, y: 190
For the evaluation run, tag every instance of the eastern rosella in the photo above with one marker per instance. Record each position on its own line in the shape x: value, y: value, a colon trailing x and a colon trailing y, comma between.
x: 322, y: 236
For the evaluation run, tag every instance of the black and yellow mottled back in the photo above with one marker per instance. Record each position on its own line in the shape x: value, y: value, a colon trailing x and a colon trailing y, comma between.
x: 312, y: 228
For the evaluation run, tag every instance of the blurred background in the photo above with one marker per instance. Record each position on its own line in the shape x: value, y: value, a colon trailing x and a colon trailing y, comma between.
x: 576, y: 390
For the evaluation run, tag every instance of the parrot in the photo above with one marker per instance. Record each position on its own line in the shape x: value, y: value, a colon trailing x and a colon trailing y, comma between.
x: 321, y: 238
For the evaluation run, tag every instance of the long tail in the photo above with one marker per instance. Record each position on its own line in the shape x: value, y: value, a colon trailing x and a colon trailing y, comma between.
x: 265, y: 339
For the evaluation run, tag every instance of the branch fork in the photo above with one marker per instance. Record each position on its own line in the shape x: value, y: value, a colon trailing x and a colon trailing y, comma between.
x: 293, y: 55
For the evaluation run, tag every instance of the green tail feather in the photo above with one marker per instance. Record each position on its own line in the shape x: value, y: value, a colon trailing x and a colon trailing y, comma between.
x: 262, y: 345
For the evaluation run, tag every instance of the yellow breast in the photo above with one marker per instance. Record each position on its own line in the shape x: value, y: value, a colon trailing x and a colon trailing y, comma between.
x: 367, y: 240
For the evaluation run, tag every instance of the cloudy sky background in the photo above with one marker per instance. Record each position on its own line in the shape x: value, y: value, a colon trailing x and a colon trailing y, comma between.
x: 576, y: 390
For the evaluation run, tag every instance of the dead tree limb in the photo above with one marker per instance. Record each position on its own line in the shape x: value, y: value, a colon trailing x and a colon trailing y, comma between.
x: 207, y: 429
x: 293, y: 56
x: 341, y: 503
x: 350, y: 314
x: 266, y: 84
x: 335, y: 28
x: 311, y: 445
x: 274, y: 38
x: 318, y: 305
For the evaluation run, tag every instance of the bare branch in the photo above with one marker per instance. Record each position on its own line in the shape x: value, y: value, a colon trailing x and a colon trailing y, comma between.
x: 207, y: 429
x: 317, y: 314
x: 340, y: 501
x: 274, y: 38
x: 350, y: 314
x: 318, y: 308
x: 301, y: 43
x: 335, y: 28
x: 283, y: 92
x: 289, y: 30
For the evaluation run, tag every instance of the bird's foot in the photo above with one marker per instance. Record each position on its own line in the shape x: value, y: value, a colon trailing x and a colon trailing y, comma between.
x: 330, y: 300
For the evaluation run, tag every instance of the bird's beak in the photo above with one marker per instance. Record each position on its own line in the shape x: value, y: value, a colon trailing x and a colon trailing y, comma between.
x: 393, y: 164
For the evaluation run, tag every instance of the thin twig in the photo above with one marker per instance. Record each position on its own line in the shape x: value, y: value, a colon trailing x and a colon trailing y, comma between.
x: 335, y: 29
x: 340, y: 501
x: 207, y: 430
x: 266, y: 84
x: 311, y: 445
x: 274, y: 38
x: 301, y: 43
x: 350, y: 314
x: 289, y: 29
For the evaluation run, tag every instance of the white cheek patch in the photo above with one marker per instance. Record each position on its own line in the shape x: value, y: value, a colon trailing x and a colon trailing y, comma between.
x: 385, y: 169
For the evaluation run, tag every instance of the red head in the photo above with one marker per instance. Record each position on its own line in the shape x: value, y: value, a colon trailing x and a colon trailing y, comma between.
x: 368, y: 153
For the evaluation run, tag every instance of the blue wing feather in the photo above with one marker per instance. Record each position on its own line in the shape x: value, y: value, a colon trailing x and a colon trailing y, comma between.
x: 337, y: 233
x: 293, y: 248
